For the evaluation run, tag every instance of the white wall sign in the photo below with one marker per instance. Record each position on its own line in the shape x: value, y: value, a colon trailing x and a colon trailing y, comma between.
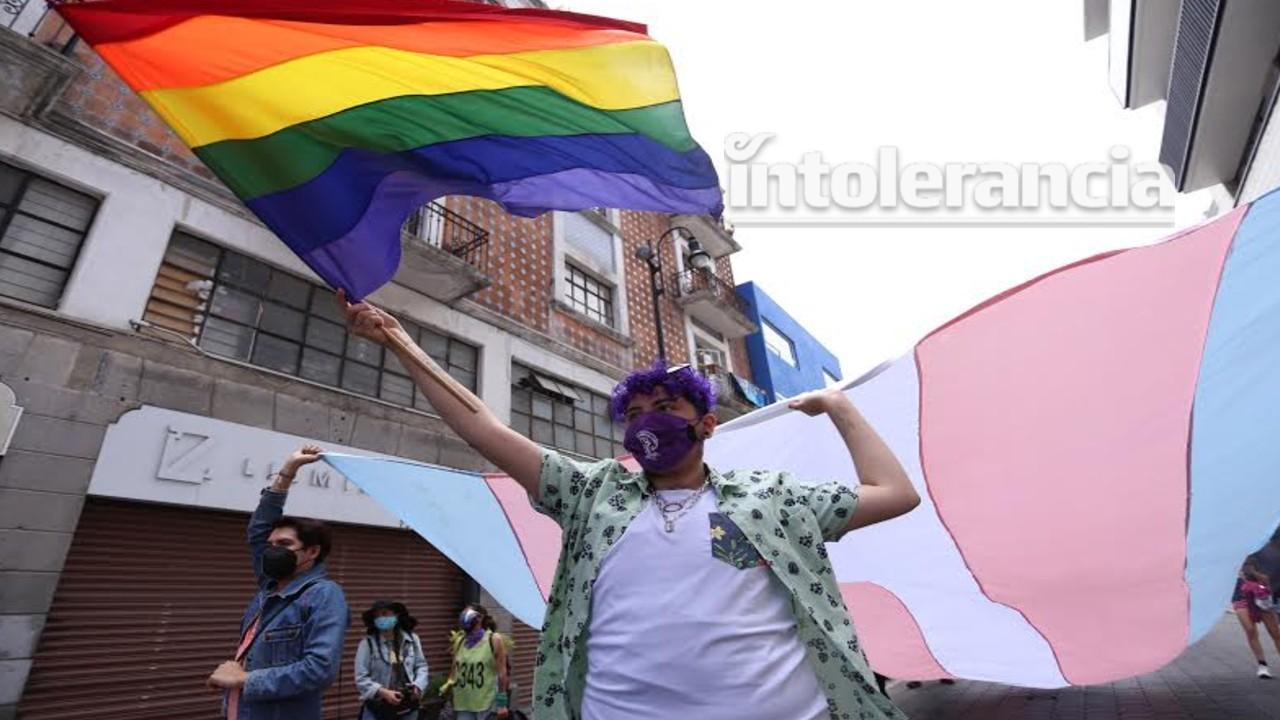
x: 166, y: 456
x: 10, y: 414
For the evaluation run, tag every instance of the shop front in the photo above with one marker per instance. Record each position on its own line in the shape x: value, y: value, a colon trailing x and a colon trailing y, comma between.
x: 158, y: 572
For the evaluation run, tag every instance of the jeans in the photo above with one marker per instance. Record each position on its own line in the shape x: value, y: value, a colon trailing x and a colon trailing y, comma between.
x: 470, y: 715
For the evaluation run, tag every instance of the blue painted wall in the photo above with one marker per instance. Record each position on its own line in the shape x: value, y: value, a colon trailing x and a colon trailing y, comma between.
x: 771, y: 372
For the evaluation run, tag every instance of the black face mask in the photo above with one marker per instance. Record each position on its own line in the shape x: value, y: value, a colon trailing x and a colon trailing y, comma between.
x: 278, y: 562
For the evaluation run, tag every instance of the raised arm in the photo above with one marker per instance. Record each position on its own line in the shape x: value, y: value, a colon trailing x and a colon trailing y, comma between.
x: 512, y: 452
x: 885, y: 491
x: 271, y: 506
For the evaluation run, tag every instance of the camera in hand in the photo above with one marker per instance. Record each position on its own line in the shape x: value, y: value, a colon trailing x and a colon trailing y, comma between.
x: 410, y: 699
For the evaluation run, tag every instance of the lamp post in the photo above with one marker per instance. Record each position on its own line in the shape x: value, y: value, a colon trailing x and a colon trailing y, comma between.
x: 651, y: 253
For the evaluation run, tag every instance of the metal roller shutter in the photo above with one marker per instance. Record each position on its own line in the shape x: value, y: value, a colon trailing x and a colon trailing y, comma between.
x: 150, y: 602
x: 523, y: 661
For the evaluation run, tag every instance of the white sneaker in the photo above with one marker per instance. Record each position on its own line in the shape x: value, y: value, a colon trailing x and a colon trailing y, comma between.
x: 1264, y: 673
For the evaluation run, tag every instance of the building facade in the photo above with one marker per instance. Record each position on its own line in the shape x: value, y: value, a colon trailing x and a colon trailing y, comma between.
x: 161, y: 352
x: 787, y: 358
x: 1216, y: 67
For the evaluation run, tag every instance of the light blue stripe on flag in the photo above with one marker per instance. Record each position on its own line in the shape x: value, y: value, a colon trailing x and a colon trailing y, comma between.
x: 1235, y: 453
x: 457, y: 513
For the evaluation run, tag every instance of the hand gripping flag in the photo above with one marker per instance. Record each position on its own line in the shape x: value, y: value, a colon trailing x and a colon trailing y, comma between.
x: 1095, y: 450
x: 334, y: 121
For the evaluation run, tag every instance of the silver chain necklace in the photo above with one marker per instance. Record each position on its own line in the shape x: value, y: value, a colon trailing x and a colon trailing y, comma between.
x: 672, y: 511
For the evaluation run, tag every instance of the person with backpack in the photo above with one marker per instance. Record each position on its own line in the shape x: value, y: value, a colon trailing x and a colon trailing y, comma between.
x: 480, y: 676
x: 391, y: 669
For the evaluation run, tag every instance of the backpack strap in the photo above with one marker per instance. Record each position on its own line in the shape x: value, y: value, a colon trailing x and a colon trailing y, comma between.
x: 494, y: 635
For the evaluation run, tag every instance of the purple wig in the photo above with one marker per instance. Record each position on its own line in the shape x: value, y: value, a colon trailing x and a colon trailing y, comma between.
x: 679, y: 381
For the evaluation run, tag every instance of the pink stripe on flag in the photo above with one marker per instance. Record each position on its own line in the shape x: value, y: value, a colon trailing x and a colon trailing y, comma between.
x: 538, y: 535
x: 889, y: 633
x: 1059, y: 416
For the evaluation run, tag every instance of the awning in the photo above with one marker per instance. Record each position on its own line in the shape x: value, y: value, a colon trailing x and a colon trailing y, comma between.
x: 749, y: 391
x: 553, y: 386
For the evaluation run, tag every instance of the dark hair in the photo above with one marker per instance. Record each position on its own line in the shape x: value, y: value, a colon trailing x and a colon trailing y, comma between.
x: 679, y: 381
x: 404, y: 621
x: 311, y: 533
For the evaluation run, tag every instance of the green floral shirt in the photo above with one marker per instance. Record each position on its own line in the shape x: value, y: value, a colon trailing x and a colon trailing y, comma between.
x: 786, y: 523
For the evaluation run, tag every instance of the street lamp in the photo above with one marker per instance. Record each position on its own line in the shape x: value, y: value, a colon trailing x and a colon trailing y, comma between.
x: 650, y: 253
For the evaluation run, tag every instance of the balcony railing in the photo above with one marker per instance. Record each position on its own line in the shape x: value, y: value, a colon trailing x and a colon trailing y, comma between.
x: 704, y: 282
x: 443, y: 254
x: 39, y: 22
x: 715, y: 234
x: 11, y: 10
x: 440, y: 227
x: 713, y: 302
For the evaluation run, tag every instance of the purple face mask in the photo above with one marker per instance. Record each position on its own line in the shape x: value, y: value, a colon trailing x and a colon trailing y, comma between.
x: 659, y: 441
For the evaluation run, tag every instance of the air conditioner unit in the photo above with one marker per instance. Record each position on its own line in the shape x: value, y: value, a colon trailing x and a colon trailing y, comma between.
x: 709, y: 359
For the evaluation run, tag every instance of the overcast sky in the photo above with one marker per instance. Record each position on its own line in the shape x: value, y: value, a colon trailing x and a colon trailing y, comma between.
x: 944, y: 81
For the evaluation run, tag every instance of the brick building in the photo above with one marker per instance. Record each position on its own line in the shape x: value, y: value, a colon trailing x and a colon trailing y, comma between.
x: 165, y: 350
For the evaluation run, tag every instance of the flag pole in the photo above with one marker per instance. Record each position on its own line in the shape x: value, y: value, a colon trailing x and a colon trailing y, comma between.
x: 431, y: 369
x: 453, y: 387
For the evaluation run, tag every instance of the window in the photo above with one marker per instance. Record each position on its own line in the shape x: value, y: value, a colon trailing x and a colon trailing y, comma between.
x: 587, y: 238
x: 275, y: 320
x: 707, y: 330
x: 560, y: 415
x: 828, y: 379
x: 778, y: 343
x: 710, y: 349
x: 588, y: 252
x: 42, y: 225
x: 588, y: 295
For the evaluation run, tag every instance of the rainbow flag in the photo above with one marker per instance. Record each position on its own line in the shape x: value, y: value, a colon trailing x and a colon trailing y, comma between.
x: 334, y: 121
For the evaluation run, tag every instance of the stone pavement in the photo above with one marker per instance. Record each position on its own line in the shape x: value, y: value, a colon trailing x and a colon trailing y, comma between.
x: 1213, y: 680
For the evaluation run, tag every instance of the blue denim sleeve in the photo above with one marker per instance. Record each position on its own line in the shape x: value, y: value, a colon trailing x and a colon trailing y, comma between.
x: 420, y: 674
x: 366, y: 687
x: 323, y: 633
x: 270, y: 509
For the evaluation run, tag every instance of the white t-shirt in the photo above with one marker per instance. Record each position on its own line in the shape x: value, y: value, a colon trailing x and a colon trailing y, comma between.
x: 678, y: 631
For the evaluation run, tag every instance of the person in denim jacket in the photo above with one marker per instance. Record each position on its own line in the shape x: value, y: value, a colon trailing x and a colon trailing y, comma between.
x: 291, y: 634
x: 390, y: 663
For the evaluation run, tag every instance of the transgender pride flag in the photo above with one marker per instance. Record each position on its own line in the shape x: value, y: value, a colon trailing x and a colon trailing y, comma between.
x: 1096, y: 449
